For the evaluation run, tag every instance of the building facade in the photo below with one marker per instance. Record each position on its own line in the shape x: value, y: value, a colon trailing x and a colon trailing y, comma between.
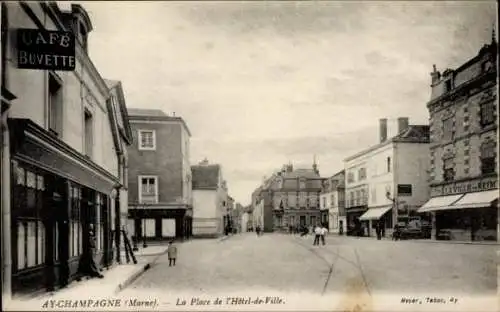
x: 464, y: 149
x: 332, y: 205
x: 159, y: 176
x: 387, y: 182
x: 289, y: 199
x: 210, y: 212
x: 62, y: 159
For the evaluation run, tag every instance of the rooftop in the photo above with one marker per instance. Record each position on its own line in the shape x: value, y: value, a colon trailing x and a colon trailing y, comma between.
x: 412, y: 134
x: 148, y: 114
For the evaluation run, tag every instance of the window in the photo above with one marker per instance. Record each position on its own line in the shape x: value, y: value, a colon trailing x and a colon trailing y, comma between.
x: 101, y: 220
x: 449, y: 169
x: 312, y: 220
x: 55, y: 104
x: 404, y: 189
x: 487, y: 113
x: 350, y: 177
x: 361, y: 174
x: 373, y: 195
x: 148, y: 189
x: 292, y: 199
x: 389, y: 164
x: 448, y: 85
x: 292, y: 220
x: 302, y: 183
x: 149, y: 228
x: 30, y: 230
x: 488, y: 157
x: 358, y: 197
x: 302, y: 199
x: 448, y: 132
x: 332, y: 201
x: 351, y: 199
x: 147, y: 140
x: 75, y: 228
x: 89, y: 127
x: 324, y: 202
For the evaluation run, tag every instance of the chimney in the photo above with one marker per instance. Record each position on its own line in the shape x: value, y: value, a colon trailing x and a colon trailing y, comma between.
x: 435, y: 76
x: 403, y: 123
x: 383, y: 129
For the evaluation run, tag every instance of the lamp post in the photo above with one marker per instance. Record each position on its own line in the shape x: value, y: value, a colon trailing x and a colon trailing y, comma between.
x: 394, y: 206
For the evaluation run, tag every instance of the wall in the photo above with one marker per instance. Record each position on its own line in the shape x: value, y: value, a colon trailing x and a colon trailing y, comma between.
x: 164, y: 162
x: 205, y: 220
x: 380, y: 180
x: 186, y: 167
x: 413, y: 167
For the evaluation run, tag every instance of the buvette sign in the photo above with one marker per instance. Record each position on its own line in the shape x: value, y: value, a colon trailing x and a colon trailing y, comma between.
x: 45, y: 49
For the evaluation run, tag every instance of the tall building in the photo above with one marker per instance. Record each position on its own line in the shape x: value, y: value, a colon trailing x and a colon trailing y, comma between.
x: 60, y: 160
x: 332, y: 203
x: 387, y: 182
x: 464, y: 149
x: 210, y: 200
x: 159, y: 179
x: 290, y: 197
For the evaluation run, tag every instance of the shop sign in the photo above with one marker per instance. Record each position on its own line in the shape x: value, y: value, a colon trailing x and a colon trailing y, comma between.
x: 477, y: 185
x: 45, y: 49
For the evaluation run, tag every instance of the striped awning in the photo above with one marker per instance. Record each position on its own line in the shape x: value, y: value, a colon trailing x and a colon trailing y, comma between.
x: 375, y: 213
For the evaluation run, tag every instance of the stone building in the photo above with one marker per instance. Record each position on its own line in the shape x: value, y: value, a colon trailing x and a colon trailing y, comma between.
x: 290, y: 198
x: 387, y: 182
x: 464, y: 149
x: 61, y: 164
x: 332, y: 203
x: 210, y: 212
x: 159, y: 177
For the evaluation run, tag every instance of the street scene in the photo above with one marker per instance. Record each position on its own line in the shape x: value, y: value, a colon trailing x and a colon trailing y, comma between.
x: 251, y: 155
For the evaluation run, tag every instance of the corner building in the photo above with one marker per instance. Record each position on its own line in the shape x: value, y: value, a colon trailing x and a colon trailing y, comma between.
x: 64, y: 163
x: 159, y: 176
x: 464, y: 150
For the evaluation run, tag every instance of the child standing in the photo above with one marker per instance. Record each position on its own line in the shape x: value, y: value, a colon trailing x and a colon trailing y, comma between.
x: 172, y: 253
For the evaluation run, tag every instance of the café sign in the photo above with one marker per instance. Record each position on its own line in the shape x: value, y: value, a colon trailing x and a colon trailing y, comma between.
x: 45, y: 49
x: 477, y: 185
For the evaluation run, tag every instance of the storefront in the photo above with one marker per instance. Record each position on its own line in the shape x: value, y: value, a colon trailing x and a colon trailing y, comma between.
x: 56, y: 195
x: 153, y: 224
x: 378, y: 215
x: 354, y: 225
x: 470, y: 216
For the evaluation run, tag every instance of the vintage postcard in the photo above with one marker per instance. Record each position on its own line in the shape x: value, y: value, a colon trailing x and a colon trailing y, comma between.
x: 249, y: 156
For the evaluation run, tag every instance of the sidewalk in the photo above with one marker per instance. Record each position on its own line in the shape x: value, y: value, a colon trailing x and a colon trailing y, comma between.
x: 424, y: 241
x: 115, y: 279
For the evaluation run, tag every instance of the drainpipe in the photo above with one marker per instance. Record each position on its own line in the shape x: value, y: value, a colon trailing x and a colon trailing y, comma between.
x: 6, y: 215
x: 5, y: 170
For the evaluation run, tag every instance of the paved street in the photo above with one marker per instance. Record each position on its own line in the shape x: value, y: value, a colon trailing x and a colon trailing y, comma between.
x: 286, y: 263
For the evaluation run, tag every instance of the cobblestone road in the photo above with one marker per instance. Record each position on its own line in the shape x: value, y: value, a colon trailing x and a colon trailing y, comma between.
x: 287, y: 263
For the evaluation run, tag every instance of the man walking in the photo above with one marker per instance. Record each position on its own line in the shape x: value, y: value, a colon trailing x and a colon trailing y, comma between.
x: 323, y: 232
x: 317, y: 234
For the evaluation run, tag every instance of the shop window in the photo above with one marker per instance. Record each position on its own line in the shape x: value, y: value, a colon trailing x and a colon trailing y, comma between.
x: 30, y: 230
x: 487, y: 113
x: 75, y: 222
x: 488, y: 157
x: 147, y: 140
x: 449, y: 169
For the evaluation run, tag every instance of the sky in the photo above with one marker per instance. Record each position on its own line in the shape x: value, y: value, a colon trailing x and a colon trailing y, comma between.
x: 261, y: 84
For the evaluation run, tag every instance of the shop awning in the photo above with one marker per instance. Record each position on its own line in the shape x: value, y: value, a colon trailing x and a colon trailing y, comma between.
x: 375, y: 213
x: 476, y: 200
x: 440, y: 203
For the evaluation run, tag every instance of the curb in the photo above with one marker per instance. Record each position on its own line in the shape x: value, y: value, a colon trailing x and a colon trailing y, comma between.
x: 429, y: 241
x: 138, y: 273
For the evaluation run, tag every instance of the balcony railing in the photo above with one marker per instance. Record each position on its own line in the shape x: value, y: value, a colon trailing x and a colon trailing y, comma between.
x: 355, y: 202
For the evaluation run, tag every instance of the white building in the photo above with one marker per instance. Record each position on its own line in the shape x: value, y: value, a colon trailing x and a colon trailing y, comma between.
x: 209, y: 200
x: 332, y: 202
x: 388, y: 181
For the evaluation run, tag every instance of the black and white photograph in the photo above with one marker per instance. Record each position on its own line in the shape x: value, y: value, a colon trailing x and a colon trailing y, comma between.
x: 249, y: 156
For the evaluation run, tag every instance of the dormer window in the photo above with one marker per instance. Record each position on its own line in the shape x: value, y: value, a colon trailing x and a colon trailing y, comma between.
x: 447, y: 85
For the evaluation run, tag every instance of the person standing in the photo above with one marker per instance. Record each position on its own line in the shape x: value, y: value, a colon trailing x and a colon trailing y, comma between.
x: 378, y: 229
x: 317, y: 234
x: 88, y: 266
x: 323, y: 233
x: 172, y: 253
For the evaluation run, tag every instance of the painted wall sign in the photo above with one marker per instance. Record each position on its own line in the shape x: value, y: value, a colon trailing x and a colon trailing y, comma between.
x: 45, y: 49
x: 477, y: 185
